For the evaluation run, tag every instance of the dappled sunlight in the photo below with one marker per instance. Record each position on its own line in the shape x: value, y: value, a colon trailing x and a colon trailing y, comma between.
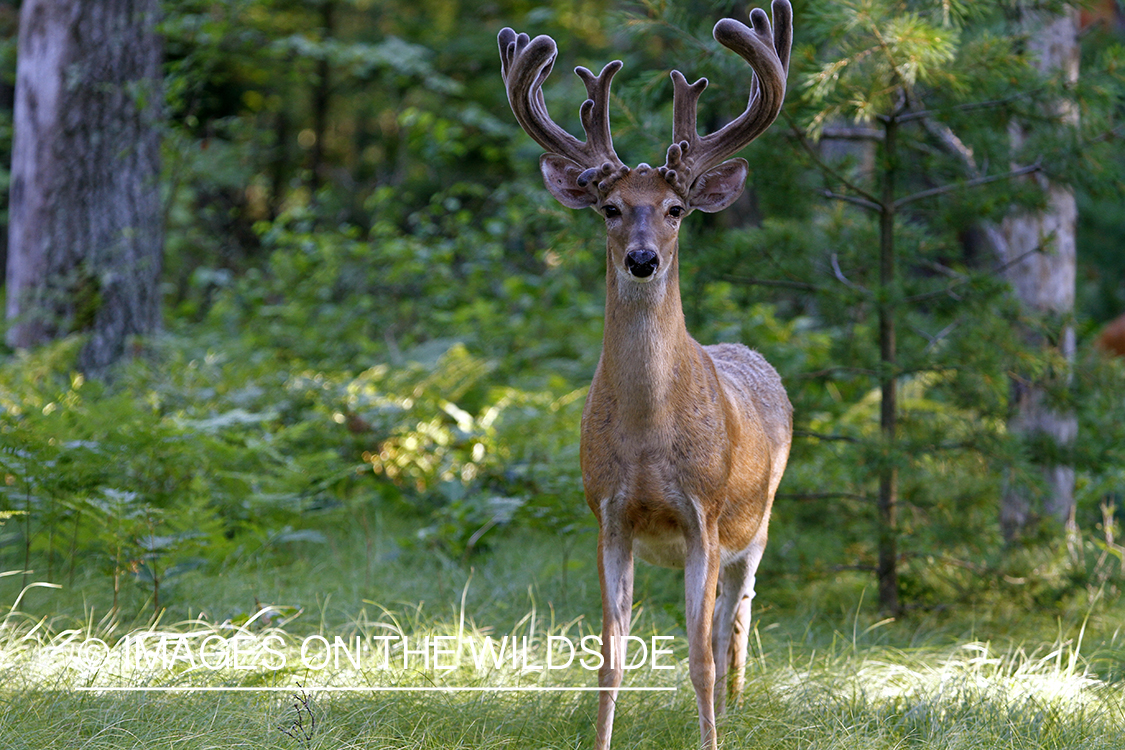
x: 975, y: 672
x: 853, y: 691
x: 398, y: 651
x: 394, y: 653
x: 975, y: 691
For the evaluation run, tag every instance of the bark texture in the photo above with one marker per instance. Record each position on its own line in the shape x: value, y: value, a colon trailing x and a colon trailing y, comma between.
x: 1041, y: 248
x: 85, y: 233
x: 9, y: 27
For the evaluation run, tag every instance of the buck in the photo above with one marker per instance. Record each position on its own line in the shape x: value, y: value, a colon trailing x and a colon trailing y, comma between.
x: 683, y: 445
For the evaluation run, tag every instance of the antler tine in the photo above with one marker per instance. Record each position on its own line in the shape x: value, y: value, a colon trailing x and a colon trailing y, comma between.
x: 766, y: 49
x: 595, y: 118
x: 525, y: 64
x: 677, y: 169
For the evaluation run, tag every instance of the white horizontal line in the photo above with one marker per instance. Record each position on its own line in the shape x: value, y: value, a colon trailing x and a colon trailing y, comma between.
x: 331, y: 689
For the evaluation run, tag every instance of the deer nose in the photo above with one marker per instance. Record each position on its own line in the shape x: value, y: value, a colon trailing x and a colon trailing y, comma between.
x: 641, y: 263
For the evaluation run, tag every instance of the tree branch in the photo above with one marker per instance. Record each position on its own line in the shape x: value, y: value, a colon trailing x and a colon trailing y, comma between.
x: 976, y: 182
x: 822, y: 436
x: 830, y: 370
x: 821, y: 496
x: 802, y: 285
x: 858, y: 568
x: 852, y: 134
x: 877, y: 208
x: 968, y: 279
x: 937, y: 337
x: 1109, y: 135
x: 969, y: 107
x: 844, y: 279
x: 952, y: 144
x: 820, y: 162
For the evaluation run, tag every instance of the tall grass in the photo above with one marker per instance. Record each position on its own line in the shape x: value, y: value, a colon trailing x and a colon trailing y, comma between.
x: 857, y: 686
x: 853, y: 696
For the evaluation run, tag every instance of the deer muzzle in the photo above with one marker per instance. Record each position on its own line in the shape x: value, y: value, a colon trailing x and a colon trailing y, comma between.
x: 641, y: 263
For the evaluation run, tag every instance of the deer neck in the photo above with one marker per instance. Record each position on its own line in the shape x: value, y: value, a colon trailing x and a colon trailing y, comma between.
x: 645, y: 344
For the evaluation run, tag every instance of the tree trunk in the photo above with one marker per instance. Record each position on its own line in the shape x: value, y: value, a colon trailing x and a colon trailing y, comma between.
x: 86, y: 231
x: 887, y: 570
x: 321, y: 101
x: 9, y: 28
x: 1042, y: 250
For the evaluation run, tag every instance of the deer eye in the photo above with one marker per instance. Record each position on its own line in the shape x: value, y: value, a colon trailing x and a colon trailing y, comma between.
x: 676, y: 211
x: 611, y: 211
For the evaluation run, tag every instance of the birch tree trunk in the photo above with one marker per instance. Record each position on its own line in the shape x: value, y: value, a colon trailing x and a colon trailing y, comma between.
x: 85, y: 229
x: 1042, y: 251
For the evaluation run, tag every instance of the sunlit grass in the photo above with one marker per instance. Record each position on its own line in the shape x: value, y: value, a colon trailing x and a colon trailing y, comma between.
x: 829, y: 675
x: 852, y: 691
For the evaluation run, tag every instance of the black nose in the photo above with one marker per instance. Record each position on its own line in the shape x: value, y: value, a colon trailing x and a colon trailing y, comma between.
x: 641, y: 263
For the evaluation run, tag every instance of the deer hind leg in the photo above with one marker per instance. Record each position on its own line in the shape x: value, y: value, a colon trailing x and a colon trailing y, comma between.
x: 724, y: 626
x: 739, y: 580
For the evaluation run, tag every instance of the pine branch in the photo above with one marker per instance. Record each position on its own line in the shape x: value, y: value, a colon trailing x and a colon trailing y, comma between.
x: 840, y: 275
x: 821, y: 496
x: 822, y: 436
x: 825, y: 168
x: 852, y: 134
x: 1109, y: 135
x: 976, y: 182
x: 876, y: 207
x: 831, y: 370
x: 953, y: 145
x: 802, y: 285
x: 1001, y: 268
x: 933, y: 341
x: 969, y: 107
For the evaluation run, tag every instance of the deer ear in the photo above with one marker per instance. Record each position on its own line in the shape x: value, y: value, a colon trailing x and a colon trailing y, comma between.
x: 719, y: 187
x: 560, y: 175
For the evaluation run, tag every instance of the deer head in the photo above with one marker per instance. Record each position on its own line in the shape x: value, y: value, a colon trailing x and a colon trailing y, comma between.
x: 643, y: 206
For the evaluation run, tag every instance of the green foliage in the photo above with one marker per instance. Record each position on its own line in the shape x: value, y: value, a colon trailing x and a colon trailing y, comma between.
x: 374, y: 309
x: 210, y: 457
x: 881, y: 52
x: 949, y: 78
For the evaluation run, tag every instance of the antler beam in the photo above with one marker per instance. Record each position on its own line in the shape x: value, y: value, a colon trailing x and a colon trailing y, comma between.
x: 525, y: 64
x: 766, y: 49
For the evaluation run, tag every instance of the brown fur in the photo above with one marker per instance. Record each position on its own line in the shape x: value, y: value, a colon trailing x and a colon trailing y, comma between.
x: 1112, y: 338
x: 683, y: 447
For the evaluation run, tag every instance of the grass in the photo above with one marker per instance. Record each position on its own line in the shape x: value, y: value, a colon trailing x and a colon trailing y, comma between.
x: 818, y: 677
x: 860, y: 696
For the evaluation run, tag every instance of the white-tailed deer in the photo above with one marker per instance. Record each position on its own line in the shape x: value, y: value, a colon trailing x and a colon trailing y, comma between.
x: 683, y: 445
x: 1112, y: 338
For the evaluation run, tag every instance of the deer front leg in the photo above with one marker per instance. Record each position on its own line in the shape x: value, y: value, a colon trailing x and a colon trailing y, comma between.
x: 701, y: 576
x: 615, y: 569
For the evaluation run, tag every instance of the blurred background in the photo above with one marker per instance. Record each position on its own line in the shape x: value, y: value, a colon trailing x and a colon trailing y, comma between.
x: 285, y: 293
